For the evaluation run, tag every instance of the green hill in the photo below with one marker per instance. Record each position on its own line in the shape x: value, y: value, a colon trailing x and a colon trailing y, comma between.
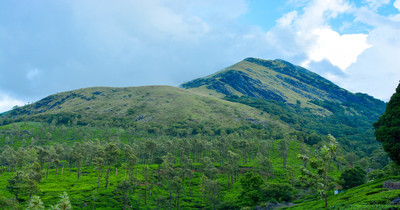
x: 281, y: 81
x: 169, y: 147
x: 136, y: 106
x: 299, y: 97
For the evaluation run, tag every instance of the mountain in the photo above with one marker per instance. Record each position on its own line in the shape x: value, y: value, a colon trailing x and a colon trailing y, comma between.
x: 172, y: 146
x: 280, y: 81
x: 255, y: 92
x: 299, y: 97
x: 163, y: 108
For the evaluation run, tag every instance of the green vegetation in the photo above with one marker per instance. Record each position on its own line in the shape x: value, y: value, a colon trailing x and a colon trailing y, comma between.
x: 200, y: 171
x: 352, y: 177
x: 387, y: 128
x: 231, y: 141
x: 373, y: 195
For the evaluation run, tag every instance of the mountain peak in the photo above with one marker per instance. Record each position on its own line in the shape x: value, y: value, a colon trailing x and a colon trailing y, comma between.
x: 276, y: 80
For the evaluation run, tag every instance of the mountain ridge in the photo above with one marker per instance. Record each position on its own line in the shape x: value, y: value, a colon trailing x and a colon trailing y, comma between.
x: 278, y: 80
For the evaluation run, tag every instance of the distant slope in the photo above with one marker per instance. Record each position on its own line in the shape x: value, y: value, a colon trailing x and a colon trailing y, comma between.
x: 134, y: 106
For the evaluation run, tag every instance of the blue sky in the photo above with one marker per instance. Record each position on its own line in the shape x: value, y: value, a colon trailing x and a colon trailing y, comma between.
x: 50, y: 46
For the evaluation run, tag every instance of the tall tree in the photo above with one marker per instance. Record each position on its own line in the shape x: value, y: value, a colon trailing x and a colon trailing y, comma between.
x: 150, y: 149
x: 284, y: 149
x: 98, y: 163
x: 321, y: 164
x: 111, y: 154
x: 387, y: 128
x: 265, y: 167
x: 211, y: 191
x: 125, y: 187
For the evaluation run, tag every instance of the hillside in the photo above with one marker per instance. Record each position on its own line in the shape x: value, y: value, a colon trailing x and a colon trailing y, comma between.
x: 299, y: 97
x: 163, y: 108
x: 376, y: 194
x: 281, y: 81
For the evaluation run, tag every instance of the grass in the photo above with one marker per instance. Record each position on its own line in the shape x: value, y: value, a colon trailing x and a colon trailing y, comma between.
x: 371, y: 195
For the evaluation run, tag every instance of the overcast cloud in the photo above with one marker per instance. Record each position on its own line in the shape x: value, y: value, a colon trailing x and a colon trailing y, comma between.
x: 49, y: 46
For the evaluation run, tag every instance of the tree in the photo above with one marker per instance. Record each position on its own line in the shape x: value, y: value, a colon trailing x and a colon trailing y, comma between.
x: 150, y: 147
x: 387, y: 128
x: 16, y: 184
x: 34, y: 176
x: 321, y: 164
x: 208, y: 168
x: 35, y: 203
x: 211, y: 190
x: 78, y: 157
x: 175, y: 184
x: 265, y: 167
x: 277, y: 191
x: 284, y: 149
x: 64, y: 203
x: 251, y: 184
x: 98, y: 163
x: 231, y: 166
x: 125, y: 187
x: 9, y: 156
x: 352, y: 177
x: 111, y: 155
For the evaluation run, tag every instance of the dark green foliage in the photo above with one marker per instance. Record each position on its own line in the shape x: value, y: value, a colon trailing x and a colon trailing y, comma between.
x: 387, y: 128
x: 353, y: 177
x: 375, y: 175
x: 251, y: 184
x: 22, y: 184
x: 281, y: 192
x: 313, y: 126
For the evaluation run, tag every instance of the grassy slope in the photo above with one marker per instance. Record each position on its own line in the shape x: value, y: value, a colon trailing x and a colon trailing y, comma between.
x: 368, y: 196
x: 287, y: 82
x: 145, y: 104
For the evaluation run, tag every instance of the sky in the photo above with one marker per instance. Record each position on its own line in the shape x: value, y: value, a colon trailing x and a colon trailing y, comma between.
x: 51, y: 46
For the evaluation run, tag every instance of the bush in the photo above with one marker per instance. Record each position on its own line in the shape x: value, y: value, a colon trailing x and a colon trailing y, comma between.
x: 375, y: 175
x: 352, y: 177
x: 277, y: 192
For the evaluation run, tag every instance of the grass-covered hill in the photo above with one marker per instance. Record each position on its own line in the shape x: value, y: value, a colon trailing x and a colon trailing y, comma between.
x: 164, y: 108
x: 299, y: 97
x: 282, y: 81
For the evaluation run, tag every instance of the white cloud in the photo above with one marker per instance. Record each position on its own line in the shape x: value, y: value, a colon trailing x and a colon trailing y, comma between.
x: 314, y: 36
x: 287, y: 19
x: 368, y: 62
x: 396, y: 4
x: 377, y: 70
x: 375, y: 4
x: 340, y: 50
x: 7, y: 102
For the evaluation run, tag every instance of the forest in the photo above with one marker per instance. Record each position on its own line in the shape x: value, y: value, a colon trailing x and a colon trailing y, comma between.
x: 100, y: 167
